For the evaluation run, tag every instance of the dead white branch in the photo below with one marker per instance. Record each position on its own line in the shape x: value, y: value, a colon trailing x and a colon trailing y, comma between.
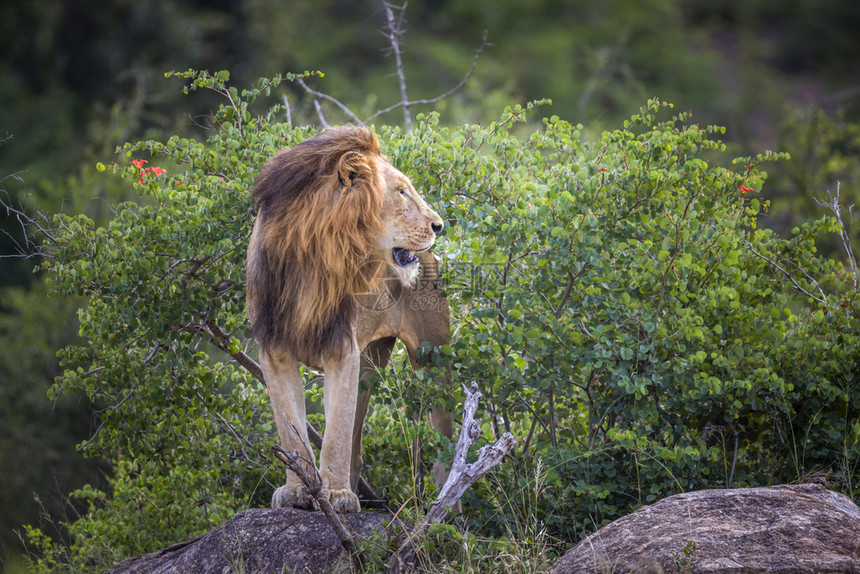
x: 464, y: 475
x: 461, y: 478
x: 318, y: 108
x: 287, y: 111
x: 844, y: 232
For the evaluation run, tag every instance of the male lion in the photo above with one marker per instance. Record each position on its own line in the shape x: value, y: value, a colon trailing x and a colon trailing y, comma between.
x: 340, y: 243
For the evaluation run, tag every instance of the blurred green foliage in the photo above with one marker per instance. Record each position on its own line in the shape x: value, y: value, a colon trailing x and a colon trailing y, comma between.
x: 614, y: 298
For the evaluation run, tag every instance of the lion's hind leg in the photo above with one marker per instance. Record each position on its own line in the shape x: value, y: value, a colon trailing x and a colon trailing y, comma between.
x: 374, y: 356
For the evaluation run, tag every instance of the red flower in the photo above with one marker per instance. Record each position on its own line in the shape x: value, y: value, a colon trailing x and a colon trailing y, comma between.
x: 144, y: 171
x: 745, y: 189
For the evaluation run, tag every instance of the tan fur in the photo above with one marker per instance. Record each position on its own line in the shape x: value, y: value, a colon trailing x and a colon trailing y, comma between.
x: 320, y: 262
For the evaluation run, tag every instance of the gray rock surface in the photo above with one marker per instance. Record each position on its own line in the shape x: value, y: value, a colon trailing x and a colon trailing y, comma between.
x: 782, y: 529
x: 259, y: 540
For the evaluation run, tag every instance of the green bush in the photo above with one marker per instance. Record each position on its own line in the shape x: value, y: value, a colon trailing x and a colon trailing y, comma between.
x: 615, y: 300
x: 631, y: 321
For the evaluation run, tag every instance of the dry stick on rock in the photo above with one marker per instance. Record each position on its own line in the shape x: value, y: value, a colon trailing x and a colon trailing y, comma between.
x: 314, y: 484
x: 461, y: 478
x: 293, y: 462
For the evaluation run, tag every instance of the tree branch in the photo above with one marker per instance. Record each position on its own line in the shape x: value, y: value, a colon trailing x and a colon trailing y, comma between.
x: 287, y: 111
x: 30, y: 247
x: 461, y: 477
x: 788, y: 275
x: 447, y: 94
x: 394, y: 31
x: 292, y: 460
x: 336, y: 102
x: 320, y: 115
x: 220, y: 338
x: 834, y: 206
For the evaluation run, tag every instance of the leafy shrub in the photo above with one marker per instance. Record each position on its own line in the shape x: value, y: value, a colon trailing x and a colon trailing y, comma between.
x: 615, y: 298
x: 630, y: 319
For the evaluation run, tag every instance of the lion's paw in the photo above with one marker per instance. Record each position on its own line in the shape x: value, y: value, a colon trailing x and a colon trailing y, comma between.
x: 290, y: 497
x: 343, y: 500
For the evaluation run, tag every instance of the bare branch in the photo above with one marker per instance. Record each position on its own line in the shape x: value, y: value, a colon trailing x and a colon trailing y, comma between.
x: 441, y: 97
x: 293, y: 460
x: 86, y: 443
x: 462, y: 475
x: 323, y: 123
x: 844, y: 234
x: 775, y: 265
x: 336, y: 102
x: 393, y: 31
x: 30, y: 247
x: 287, y: 109
x: 314, y: 486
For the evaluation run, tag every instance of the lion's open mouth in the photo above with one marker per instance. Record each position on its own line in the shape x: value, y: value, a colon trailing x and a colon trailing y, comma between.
x: 403, y: 257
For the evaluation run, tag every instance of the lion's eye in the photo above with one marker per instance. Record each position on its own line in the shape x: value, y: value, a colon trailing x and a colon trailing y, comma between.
x: 404, y: 192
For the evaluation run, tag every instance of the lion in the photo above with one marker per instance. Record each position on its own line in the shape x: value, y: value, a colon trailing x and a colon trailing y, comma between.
x: 338, y: 269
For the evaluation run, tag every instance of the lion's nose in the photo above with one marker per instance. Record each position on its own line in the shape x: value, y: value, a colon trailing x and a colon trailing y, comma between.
x: 436, y: 227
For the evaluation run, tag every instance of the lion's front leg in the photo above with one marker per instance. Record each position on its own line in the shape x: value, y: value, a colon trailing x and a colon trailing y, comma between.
x: 284, y: 383
x: 339, y: 399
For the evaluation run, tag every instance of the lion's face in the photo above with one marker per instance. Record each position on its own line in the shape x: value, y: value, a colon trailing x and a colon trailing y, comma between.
x: 409, y: 224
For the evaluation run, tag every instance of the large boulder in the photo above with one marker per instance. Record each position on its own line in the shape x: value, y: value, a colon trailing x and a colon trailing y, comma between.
x: 259, y: 540
x: 786, y: 529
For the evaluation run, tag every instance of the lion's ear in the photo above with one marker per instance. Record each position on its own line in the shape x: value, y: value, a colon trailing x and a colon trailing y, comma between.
x: 354, y: 168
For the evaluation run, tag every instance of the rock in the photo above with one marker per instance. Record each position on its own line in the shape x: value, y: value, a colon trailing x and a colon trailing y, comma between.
x: 785, y: 529
x: 259, y: 540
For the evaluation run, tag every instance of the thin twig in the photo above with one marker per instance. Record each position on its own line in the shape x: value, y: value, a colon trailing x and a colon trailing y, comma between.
x: 86, y: 443
x: 310, y: 455
x: 788, y: 275
x: 568, y: 291
x: 287, y: 111
x: 336, y: 102
x: 834, y: 206
x: 25, y: 220
x: 314, y: 485
x: 735, y: 455
x: 317, y: 107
